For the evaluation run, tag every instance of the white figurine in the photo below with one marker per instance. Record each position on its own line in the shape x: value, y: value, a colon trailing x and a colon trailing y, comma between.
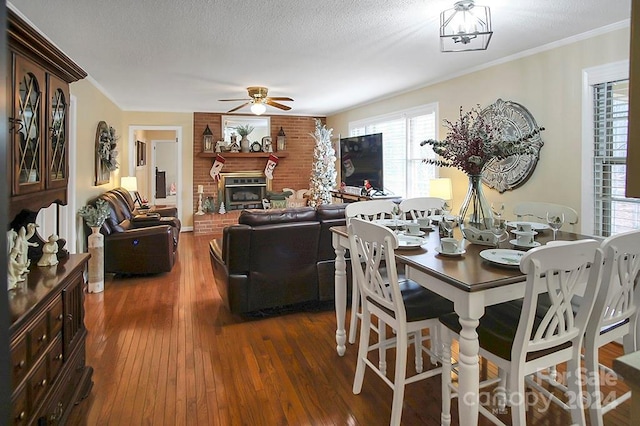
x: 23, y: 244
x: 16, y: 271
x: 49, y: 251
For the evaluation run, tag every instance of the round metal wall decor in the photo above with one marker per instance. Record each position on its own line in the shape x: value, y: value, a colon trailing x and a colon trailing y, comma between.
x: 510, y: 173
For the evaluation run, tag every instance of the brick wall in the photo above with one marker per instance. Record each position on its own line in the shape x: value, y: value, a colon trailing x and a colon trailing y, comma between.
x: 292, y: 172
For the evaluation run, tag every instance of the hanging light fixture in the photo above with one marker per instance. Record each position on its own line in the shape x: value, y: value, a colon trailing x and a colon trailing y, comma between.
x: 465, y: 27
x: 258, y: 108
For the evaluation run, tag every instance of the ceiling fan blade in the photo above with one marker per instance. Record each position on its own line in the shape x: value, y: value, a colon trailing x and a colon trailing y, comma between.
x: 280, y: 98
x: 277, y: 105
x: 234, y: 100
x: 238, y: 107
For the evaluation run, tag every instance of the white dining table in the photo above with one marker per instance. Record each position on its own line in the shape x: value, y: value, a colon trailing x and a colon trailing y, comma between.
x: 470, y: 282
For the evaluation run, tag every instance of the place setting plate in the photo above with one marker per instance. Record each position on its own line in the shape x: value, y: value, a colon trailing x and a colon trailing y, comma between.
x: 392, y: 223
x: 536, y: 226
x: 414, y: 234
x: 503, y: 257
x: 409, y: 242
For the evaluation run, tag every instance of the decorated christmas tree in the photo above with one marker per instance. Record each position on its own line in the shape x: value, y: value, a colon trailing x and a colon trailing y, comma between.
x: 323, y: 171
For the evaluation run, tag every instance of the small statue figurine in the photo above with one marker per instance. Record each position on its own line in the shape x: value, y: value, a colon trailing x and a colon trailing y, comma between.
x: 22, y: 243
x: 49, y: 251
x: 16, y: 271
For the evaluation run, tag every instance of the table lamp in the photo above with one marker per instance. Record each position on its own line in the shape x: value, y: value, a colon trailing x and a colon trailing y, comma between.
x: 441, y: 188
x: 130, y: 183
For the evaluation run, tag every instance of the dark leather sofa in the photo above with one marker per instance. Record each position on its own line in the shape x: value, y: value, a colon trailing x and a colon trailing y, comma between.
x: 136, y: 243
x: 276, y: 257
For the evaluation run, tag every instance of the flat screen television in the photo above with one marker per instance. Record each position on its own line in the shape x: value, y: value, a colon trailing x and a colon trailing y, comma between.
x: 362, y: 159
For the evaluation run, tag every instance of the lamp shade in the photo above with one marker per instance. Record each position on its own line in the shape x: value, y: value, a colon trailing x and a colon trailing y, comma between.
x: 258, y: 108
x: 441, y: 188
x: 130, y: 183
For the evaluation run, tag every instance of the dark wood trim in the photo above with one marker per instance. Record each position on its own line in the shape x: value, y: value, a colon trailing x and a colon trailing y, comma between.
x: 30, y: 43
x: 5, y: 363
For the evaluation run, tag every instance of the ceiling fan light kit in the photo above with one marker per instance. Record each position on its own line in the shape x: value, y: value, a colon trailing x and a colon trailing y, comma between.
x: 259, y: 100
x: 258, y: 108
x: 466, y: 27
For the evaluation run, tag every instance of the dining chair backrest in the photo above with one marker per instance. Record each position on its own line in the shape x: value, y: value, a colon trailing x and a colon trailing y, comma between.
x: 618, y: 299
x: 559, y: 271
x: 370, y: 210
x: 538, y: 210
x: 373, y: 242
x: 420, y: 207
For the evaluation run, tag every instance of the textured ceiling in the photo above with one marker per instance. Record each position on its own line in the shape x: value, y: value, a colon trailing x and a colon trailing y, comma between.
x: 328, y: 55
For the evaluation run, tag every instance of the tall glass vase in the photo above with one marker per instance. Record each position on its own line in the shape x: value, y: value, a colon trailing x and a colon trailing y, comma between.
x: 475, y: 211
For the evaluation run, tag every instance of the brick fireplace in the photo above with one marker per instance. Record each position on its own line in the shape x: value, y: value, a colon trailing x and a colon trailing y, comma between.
x: 292, y: 171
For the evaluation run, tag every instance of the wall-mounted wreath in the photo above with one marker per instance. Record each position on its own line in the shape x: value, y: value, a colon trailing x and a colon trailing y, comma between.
x: 106, y: 153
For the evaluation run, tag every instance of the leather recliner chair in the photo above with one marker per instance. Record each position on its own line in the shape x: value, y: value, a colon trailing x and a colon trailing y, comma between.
x: 137, y: 244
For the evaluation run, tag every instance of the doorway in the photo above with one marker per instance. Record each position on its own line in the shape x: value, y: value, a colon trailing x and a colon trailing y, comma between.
x: 167, y: 139
x: 164, y: 186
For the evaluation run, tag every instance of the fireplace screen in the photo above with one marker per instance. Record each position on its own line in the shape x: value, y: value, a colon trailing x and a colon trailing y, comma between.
x: 243, y: 190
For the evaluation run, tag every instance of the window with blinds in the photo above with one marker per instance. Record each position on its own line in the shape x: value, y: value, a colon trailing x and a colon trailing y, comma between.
x: 613, y: 212
x: 404, y: 173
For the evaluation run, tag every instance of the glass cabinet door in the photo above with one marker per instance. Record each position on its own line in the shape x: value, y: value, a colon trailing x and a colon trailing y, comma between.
x: 57, y: 126
x: 28, y: 141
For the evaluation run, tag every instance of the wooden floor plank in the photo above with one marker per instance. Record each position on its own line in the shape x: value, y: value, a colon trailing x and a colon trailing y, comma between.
x: 166, y: 351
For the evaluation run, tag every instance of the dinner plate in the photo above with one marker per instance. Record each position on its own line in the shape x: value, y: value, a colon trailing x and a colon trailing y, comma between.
x: 445, y: 253
x: 409, y: 242
x: 503, y: 257
x: 392, y: 223
x: 536, y: 226
x: 418, y: 234
x: 532, y: 245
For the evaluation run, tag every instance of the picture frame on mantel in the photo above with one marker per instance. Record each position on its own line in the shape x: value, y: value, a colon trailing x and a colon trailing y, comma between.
x: 102, y: 172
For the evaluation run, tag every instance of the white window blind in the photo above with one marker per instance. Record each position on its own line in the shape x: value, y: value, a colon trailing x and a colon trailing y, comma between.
x: 614, y: 213
x: 404, y: 173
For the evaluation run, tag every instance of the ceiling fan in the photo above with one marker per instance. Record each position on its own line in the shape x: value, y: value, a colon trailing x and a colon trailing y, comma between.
x: 259, y: 100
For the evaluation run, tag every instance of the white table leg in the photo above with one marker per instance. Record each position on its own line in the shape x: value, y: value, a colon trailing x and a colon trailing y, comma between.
x: 340, y: 295
x: 468, y: 373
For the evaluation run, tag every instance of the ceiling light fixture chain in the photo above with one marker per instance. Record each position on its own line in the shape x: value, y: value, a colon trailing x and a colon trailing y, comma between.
x: 466, y: 27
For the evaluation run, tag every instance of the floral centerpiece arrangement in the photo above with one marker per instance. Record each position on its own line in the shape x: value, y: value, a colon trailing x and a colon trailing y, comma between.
x: 472, y: 142
x: 107, y: 149
x: 95, y: 216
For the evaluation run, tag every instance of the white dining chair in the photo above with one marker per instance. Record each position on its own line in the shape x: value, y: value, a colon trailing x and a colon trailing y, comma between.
x: 538, y: 211
x: 421, y: 207
x: 615, y: 316
x: 544, y: 332
x: 406, y: 307
x: 370, y: 210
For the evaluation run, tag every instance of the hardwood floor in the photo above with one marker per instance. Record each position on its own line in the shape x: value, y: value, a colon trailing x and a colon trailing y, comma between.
x: 165, y: 351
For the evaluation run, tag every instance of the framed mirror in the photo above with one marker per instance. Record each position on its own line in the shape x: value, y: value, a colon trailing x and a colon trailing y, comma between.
x: 261, y: 126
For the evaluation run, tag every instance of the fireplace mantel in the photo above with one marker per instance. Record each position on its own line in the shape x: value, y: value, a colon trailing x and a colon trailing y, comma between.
x: 279, y: 154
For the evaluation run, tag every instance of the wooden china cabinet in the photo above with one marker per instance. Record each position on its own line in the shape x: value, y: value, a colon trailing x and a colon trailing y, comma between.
x: 47, y: 333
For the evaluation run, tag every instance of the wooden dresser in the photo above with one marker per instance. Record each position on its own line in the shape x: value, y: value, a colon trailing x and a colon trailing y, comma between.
x: 49, y: 375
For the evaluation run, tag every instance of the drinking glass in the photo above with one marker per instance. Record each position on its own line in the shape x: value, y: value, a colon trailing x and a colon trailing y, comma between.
x: 448, y: 223
x: 397, y: 212
x: 555, y: 221
x: 498, y: 228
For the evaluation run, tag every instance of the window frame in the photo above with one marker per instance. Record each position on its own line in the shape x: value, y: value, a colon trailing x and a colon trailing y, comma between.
x: 592, y: 76
x: 406, y: 115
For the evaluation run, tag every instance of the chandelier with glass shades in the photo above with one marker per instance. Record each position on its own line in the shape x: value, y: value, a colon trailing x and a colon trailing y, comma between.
x: 465, y: 27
